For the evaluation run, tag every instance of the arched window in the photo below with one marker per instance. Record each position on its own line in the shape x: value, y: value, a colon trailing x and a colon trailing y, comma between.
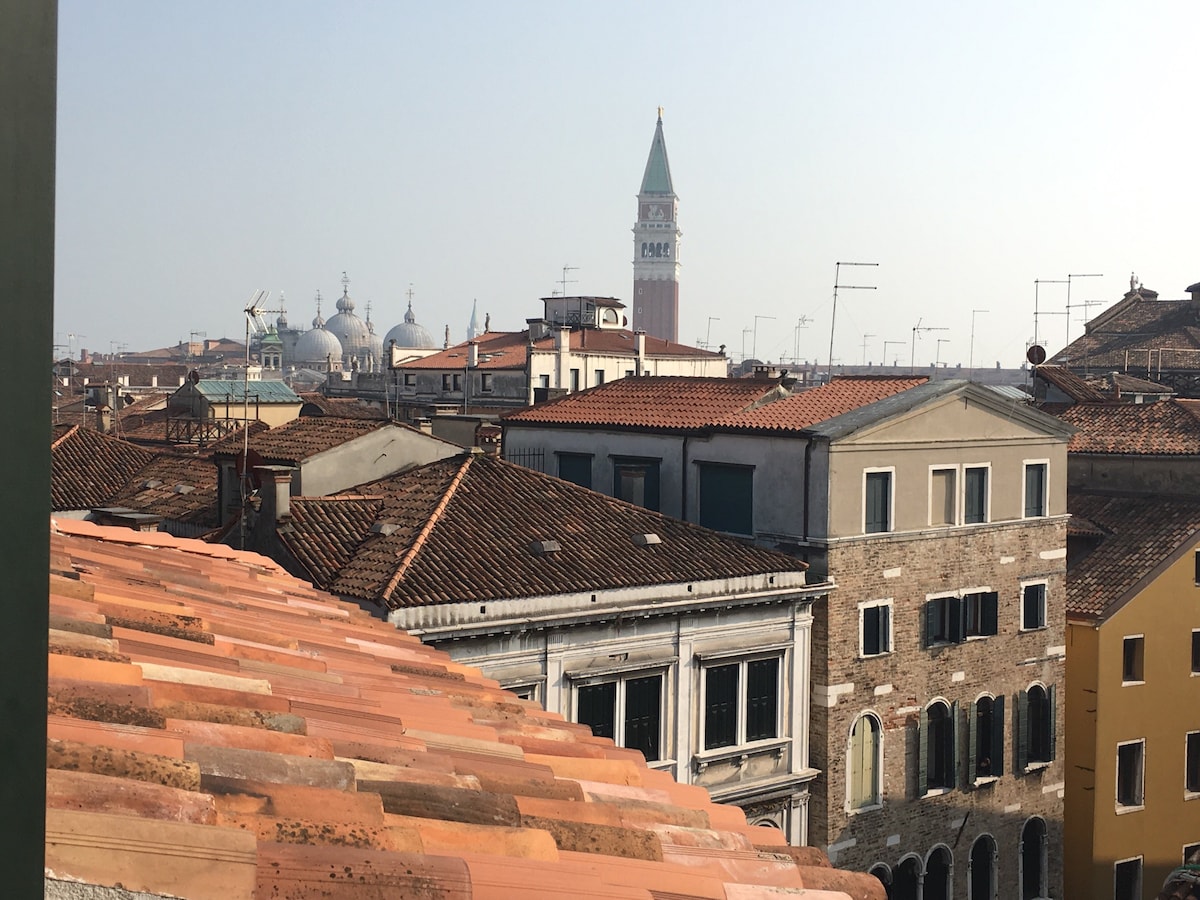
x: 937, y: 743
x: 1033, y: 859
x: 938, y: 878
x: 907, y: 881
x: 863, y: 781
x: 1035, y: 726
x: 985, y: 738
x: 883, y: 875
x: 982, y: 877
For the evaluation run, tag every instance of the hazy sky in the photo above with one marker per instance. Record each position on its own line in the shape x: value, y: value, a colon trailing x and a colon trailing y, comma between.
x: 471, y: 150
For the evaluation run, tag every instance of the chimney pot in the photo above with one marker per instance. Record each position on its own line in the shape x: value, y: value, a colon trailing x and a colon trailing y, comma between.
x: 276, y: 492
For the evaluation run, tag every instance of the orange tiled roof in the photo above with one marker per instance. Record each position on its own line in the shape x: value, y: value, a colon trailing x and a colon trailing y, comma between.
x: 177, y: 487
x: 220, y: 730
x: 460, y: 529
x: 1168, y: 427
x: 1070, y: 384
x: 88, y: 467
x: 305, y: 437
x: 497, y: 350
x: 317, y: 404
x: 672, y: 403
x: 1129, y: 537
x: 1119, y: 338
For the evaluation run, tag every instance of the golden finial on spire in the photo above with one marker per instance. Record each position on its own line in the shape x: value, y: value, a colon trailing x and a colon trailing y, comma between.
x: 660, y: 112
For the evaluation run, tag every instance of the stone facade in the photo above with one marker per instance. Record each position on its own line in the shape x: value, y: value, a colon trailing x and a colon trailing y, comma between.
x: 896, y: 686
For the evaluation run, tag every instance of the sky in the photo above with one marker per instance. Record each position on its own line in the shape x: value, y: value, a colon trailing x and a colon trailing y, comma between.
x: 977, y: 153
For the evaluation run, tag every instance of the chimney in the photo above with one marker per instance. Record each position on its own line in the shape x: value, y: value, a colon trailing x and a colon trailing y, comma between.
x: 562, y: 338
x: 472, y: 354
x: 487, y: 437
x: 639, y: 343
x: 153, y: 381
x: 276, y: 493
x: 424, y: 425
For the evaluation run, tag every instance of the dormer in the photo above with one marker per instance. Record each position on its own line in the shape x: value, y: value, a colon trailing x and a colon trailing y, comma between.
x: 585, y: 312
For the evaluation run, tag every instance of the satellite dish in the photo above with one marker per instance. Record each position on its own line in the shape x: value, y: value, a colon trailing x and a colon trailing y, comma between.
x: 1036, y: 354
x: 194, y: 376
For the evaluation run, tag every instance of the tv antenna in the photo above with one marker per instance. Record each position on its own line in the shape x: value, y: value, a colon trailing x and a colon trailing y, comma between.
x: 916, y: 332
x: 887, y: 344
x: 971, y: 356
x: 564, y: 281
x: 708, y: 332
x: 837, y: 285
x: 937, y: 359
x: 754, y: 343
x: 1084, y: 304
x: 254, y: 311
x: 1037, y: 283
x: 866, y: 337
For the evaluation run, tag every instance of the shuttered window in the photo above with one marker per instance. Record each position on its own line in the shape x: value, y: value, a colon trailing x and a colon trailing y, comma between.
x: 720, y: 706
x: 727, y: 498
x: 985, y: 737
x: 1035, y: 490
x: 975, y: 486
x: 636, y: 481
x: 878, y: 503
x: 863, y: 787
x: 942, y: 497
x: 628, y: 710
x: 762, y: 698
x: 576, y: 468
x: 938, y: 741
x: 1036, y: 742
x: 741, y: 702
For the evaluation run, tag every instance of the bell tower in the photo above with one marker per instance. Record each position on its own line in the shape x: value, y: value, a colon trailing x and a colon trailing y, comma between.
x: 656, y: 247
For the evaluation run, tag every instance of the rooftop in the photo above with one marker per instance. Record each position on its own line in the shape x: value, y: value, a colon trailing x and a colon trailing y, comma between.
x: 88, y: 467
x: 1168, y: 427
x: 218, y: 389
x: 205, y: 707
x: 305, y: 437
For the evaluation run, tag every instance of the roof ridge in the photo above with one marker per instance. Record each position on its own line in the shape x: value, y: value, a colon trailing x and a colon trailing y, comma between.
x: 66, y: 434
x: 426, y: 529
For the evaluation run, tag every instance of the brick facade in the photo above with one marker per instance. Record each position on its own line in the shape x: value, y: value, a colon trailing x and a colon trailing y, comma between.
x: 896, y: 686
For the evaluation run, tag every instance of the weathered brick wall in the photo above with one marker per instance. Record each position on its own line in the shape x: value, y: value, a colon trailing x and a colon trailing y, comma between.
x: 898, y: 685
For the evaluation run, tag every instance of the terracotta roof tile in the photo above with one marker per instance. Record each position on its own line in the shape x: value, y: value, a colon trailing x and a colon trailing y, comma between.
x: 316, y: 404
x: 305, y: 437
x: 1070, y: 384
x: 670, y: 403
x: 1119, y: 338
x: 1167, y: 427
x: 180, y: 488
x: 1124, y: 539
x: 398, y: 772
x: 88, y: 468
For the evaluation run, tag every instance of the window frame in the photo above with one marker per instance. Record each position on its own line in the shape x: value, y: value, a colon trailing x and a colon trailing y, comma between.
x: 888, y: 644
x: 953, y: 493
x: 986, y: 500
x: 1140, y: 803
x: 949, y: 740
x: 890, y: 472
x: 995, y: 740
x: 599, y: 377
x: 559, y: 455
x: 1137, y: 660
x: 741, y: 700
x: 447, y: 381
x: 955, y: 611
x: 1044, y: 466
x: 1191, y: 765
x: 575, y: 381
x: 486, y: 382
x: 1024, y: 732
x: 711, y: 468
x: 620, y: 680
x: 1138, y: 881
x: 410, y: 379
x: 647, y: 465
x: 875, y: 801
x: 1025, y: 586
x: 1195, y: 651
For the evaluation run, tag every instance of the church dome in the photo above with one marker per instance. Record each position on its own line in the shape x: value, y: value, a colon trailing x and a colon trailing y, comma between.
x: 409, y: 335
x: 351, y: 331
x: 317, y: 347
x: 376, y: 341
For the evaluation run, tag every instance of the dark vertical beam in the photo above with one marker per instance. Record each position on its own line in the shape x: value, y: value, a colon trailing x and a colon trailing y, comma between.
x: 28, y: 94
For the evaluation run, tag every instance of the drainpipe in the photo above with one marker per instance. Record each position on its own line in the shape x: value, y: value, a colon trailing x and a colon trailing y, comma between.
x: 683, y: 479
x: 807, y: 483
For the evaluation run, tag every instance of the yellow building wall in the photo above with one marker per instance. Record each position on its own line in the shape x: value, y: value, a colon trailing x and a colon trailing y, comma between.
x: 1162, y: 710
x: 1083, y: 641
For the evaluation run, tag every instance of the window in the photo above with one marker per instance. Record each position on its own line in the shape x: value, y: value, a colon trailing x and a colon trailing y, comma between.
x: 1130, y: 780
x: 1197, y: 556
x: 727, y: 498
x: 1036, y: 720
x: 1035, y: 490
x: 741, y: 702
x: 1033, y: 859
x: 875, y: 627
x: 942, y: 497
x: 1190, y: 851
x: 447, y: 380
x: 1191, y: 765
x: 937, y: 742
x: 626, y: 709
x: 985, y: 738
x: 485, y: 381
x: 1196, y: 652
x: 951, y: 620
x: 410, y: 379
x: 629, y: 373
x: 938, y: 875
x: 1127, y: 879
x: 457, y: 381
x: 877, y: 505
x: 975, y: 495
x: 574, y: 380
x: 1033, y: 606
x: 544, y: 381
x: 864, y: 781
x: 1133, y: 659
x: 576, y: 468
x: 636, y: 481
x: 983, y: 868
x: 599, y: 376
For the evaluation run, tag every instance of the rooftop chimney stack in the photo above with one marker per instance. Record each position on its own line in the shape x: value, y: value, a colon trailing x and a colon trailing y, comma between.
x: 276, y: 493
x: 472, y: 354
x: 639, y: 343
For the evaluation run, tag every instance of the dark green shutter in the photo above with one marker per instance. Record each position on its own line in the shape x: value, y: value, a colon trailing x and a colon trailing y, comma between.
x: 958, y: 619
x: 885, y: 629
x: 643, y: 722
x: 923, y: 753
x: 973, y: 742
x: 1051, y: 743
x: 989, y: 604
x: 727, y: 498
x: 576, y: 468
x: 952, y: 747
x: 597, y: 708
x: 998, y: 736
x: 1022, y: 731
x: 762, y: 698
x: 720, y: 701
x: 870, y: 626
x: 932, y: 620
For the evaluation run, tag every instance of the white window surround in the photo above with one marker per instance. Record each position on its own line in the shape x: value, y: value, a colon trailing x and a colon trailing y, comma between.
x: 1025, y: 464
x: 741, y: 660
x: 891, y: 630
x: 1045, y: 604
x: 1188, y: 795
x: 1123, y: 809
x: 1142, y: 680
x: 987, y: 493
x: 620, y: 677
x: 943, y: 467
x: 891, y: 471
x: 878, y: 786
x: 1141, y: 873
x: 1194, y: 672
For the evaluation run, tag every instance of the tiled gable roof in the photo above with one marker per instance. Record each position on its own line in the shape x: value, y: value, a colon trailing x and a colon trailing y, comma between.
x: 305, y: 437
x: 1130, y: 537
x: 725, y: 404
x: 88, y: 467
x: 1168, y: 427
x: 1130, y: 384
x: 497, y: 350
x: 621, y: 342
x: 224, y: 731
x: 317, y: 404
x: 1119, y: 338
x: 177, y: 487
x: 1069, y: 383
x: 460, y: 530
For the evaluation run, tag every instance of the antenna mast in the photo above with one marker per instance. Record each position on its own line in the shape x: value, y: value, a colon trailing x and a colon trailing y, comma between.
x: 837, y: 285
x: 254, y: 320
x: 917, y: 329
x: 564, y: 281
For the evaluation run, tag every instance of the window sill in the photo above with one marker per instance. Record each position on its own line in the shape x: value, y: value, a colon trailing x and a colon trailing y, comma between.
x: 741, y: 753
x: 1131, y: 683
x: 881, y: 653
x: 1033, y: 629
x: 985, y: 780
x: 1125, y: 810
x: 1191, y: 795
x: 863, y: 809
x: 1037, y: 766
x: 936, y: 792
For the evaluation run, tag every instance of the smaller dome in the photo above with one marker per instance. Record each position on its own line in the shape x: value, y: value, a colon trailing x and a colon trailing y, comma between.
x: 317, y: 346
x: 409, y: 334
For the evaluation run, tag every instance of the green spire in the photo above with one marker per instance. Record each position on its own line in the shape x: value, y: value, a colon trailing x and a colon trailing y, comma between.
x: 657, y: 179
